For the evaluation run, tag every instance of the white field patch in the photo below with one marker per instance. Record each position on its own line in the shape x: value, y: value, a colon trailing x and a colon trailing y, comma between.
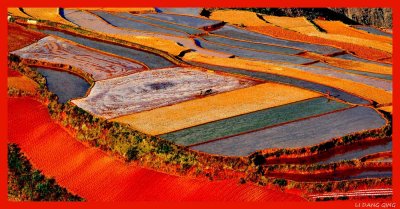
x: 152, y: 89
x: 59, y: 51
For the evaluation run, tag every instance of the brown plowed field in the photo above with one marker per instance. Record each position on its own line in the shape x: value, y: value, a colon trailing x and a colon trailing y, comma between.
x: 96, y: 176
x: 20, y: 37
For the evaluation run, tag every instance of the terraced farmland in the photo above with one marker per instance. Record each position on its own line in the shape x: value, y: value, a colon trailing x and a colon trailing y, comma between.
x: 253, y: 121
x: 251, y: 45
x: 220, y: 106
x: 153, y: 61
x: 323, y: 89
x: 161, y: 24
x: 241, y: 34
x: 191, y: 21
x: 181, y: 11
x: 153, y: 103
x: 152, y: 89
x: 99, y: 65
x: 372, y: 30
x: 97, y: 176
x: 297, y: 134
x: 247, y: 53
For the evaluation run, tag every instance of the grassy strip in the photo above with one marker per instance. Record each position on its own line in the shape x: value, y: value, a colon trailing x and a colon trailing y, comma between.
x: 28, y: 184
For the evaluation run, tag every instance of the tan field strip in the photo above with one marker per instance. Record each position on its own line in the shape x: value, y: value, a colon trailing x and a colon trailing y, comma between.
x: 220, y: 106
x: 299, y: 24
x: 50, y: 14
x: 238, y: 17
x: 22, y: 83
x: 387, y: 109
x: 350, y: 64
x: 365, y: 91
x: 15, y: 11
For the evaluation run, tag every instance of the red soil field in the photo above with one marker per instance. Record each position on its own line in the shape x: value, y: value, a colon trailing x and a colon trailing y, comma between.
x: 19, y: 37
x: 95, y: 176
x: 361, y: 51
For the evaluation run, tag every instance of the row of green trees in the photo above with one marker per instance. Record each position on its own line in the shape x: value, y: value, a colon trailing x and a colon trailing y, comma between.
x: 28, y: 184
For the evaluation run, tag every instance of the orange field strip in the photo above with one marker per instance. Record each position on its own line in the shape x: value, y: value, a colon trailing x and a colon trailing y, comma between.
x: 350, y: 64
x: 95, y: 176
x: 22, y: 83
x: 387, y: 108
x: 337, y: 27
x: 361, y: 51
x: 199, y: 111
x: 365, y: 91
x: 237, y: 17
x: 15, y: 11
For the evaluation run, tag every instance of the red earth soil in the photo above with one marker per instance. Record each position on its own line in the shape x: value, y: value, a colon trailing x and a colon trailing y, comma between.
x: 361, y: 51
x: 95, y: 176
x: 13, y: 73
x: 19, y: 37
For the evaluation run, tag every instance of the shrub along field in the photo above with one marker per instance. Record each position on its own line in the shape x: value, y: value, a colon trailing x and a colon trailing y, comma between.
x: 153, y: 61
x: 253, y: 121
x: 216, y: 107
x: 97, y: 64
x: 25, y: 183
x: 153, y: 89
x: 302, y: 133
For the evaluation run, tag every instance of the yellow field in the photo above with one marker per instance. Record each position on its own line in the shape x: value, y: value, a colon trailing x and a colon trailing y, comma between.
x: 50, y: 14
x: 23, y: 83
x: 337, y: 27
x: 365, y: 91
x: 16, y: 12
x: 387, y: 108
x: 153, y: 42
x: 299, y: 24
x: 237, y: 17
x: 350, y: 64
x: 199, y: 111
